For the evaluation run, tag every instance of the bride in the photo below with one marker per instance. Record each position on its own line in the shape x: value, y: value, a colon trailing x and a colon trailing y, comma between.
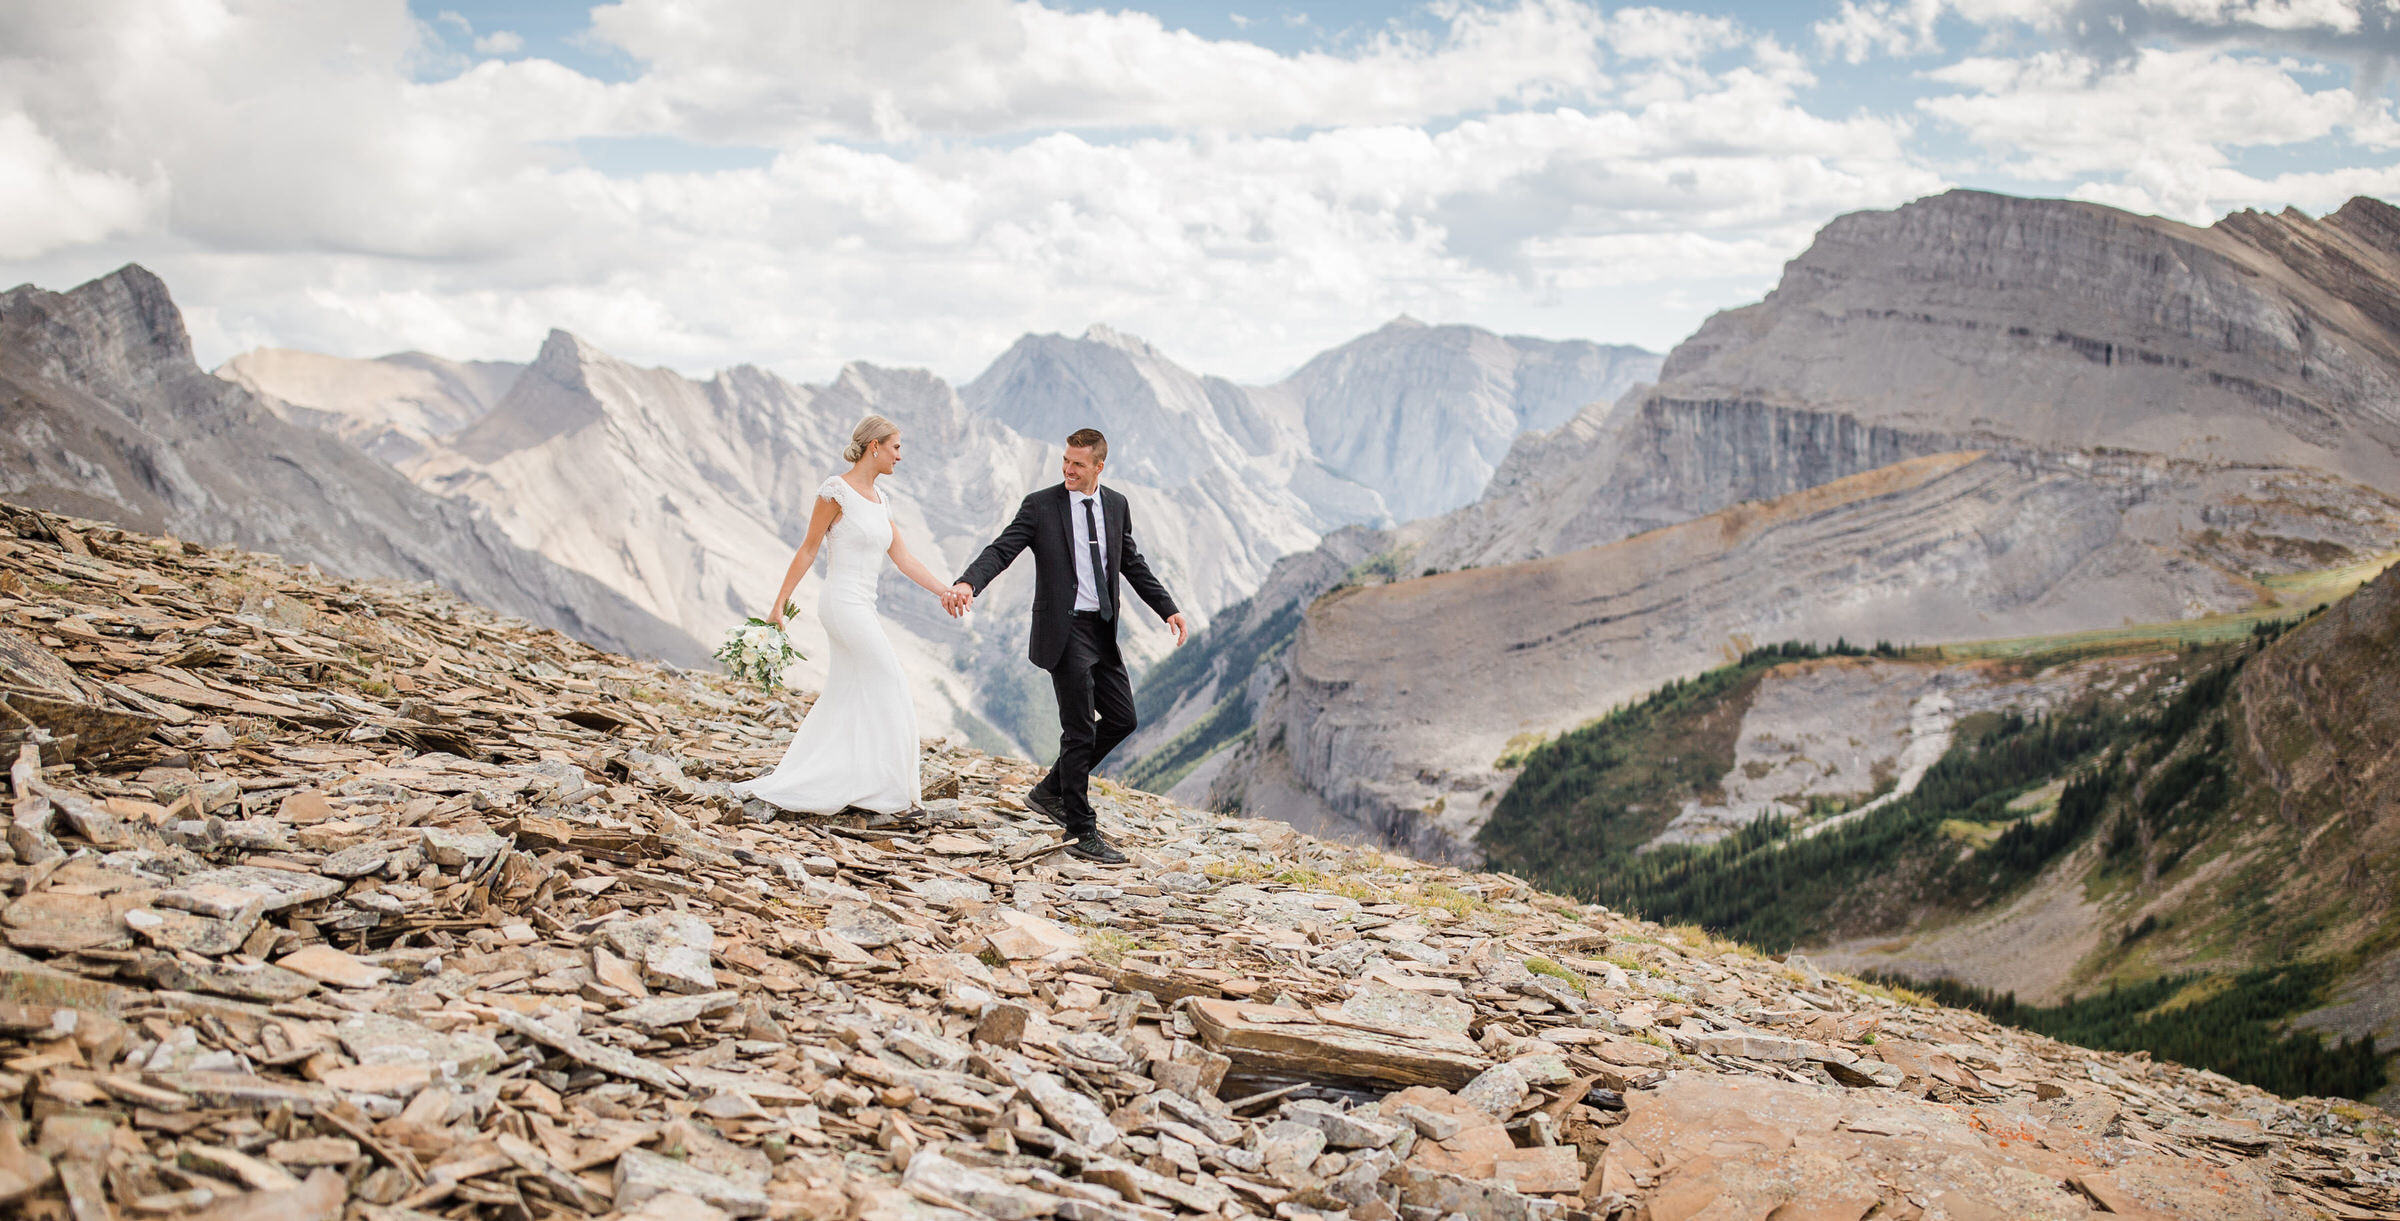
x: 858, y: 745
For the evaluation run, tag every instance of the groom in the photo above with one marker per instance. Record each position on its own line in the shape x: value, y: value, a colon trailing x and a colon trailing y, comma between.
x: 1082, y: 540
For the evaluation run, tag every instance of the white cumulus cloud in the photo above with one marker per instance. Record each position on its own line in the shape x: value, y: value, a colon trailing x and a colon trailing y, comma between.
x: 47, y: 201
x: 918, y: 184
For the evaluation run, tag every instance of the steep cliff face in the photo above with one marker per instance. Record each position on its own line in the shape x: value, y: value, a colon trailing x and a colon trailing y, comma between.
x: 1423, y: 414
x: 109, y: 417
x: 2077, y: 326
x: 1658, y: 461
x: 1971, y: 319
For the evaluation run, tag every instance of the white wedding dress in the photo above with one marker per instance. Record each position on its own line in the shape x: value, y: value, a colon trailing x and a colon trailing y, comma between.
x: 858, y: 745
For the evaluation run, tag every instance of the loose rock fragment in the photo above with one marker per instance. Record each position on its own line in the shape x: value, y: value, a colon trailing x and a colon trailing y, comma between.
x: 642, y: 1175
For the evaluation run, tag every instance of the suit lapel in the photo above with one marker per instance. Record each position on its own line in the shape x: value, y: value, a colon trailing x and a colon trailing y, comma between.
x: 1116, y: 533
x: 1066, y: 514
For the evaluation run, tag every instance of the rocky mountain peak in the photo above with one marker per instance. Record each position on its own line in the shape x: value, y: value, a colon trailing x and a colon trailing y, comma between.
x: 1424, y: 414
x: 570, y: 385
x: 564, y: 359
x: 1102, y: 333
x: 2371, y: 221
x: 119, y: 330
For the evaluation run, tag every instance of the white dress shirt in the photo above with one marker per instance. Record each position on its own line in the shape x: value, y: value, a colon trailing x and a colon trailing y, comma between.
x: 1087, y: 582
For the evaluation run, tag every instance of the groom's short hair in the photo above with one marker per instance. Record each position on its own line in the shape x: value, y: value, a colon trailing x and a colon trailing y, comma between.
x: 1089, y: 438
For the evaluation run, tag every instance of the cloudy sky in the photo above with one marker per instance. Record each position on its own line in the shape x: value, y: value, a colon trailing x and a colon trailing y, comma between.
x: 796, y: 183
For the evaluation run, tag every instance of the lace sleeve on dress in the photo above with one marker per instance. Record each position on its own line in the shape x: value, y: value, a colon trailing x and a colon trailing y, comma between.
x: 831, y: 490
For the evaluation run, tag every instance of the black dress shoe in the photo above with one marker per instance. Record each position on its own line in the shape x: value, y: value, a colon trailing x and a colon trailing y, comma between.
x: 1096, y: 850
x: 1047, y: 806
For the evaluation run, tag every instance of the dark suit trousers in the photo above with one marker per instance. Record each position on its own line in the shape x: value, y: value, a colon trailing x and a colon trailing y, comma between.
x: 1091, y: 681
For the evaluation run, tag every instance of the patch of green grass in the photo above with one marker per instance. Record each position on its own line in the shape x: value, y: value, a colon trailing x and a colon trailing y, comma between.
x: 1329, y: 884
x: 1436, y: 895
x: 1107, y: 945
x: 1240, y: 869
x: 1543, y: 966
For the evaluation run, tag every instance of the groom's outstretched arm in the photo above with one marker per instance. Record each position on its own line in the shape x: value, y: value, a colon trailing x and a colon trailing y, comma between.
x: 1137, y: 573
x: 1003, y: 551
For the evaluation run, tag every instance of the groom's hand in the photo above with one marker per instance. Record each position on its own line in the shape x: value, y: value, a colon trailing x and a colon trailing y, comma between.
x: 1175, y: 624
x: 958, y: 599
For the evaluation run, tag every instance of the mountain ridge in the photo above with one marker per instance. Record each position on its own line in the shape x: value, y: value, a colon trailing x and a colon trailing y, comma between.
x: 109, y: 413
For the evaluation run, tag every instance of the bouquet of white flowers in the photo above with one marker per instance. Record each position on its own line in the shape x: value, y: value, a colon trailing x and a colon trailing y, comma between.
x: 760, y: 651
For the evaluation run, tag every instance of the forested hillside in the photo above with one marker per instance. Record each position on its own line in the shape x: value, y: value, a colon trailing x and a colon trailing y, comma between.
x: 2185, y: 801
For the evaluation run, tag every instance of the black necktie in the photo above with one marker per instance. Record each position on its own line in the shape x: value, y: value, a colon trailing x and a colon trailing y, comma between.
x: 1099, y: 565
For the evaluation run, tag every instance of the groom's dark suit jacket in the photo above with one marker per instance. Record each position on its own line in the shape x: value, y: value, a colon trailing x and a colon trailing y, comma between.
x: 1043, y: 523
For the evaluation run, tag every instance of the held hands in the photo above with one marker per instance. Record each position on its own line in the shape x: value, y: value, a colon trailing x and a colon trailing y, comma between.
x: 958, y: 599
x: 1176, y: 625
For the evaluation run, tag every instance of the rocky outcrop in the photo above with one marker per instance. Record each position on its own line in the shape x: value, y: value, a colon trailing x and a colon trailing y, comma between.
x: 109, y: 416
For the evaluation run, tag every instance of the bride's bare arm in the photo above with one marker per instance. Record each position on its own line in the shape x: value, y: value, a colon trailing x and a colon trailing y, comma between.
x: 805, y: 558
x: 913, y: 568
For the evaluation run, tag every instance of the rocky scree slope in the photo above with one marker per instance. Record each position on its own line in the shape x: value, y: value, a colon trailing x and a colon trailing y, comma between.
x: 2165, y: 417
x: 380, y: 905
x: 107, y: 414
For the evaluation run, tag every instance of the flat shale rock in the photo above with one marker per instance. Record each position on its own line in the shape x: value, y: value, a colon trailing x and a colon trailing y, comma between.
x: 256, y: 981
x: 403, y: 910
x: 173, y: 930
x: 217, y: 892
x: 1272, y: 1041
x: 375, y: 1038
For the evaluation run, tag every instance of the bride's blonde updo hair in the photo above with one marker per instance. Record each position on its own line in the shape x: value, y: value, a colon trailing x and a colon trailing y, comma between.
x: 870, y: 430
